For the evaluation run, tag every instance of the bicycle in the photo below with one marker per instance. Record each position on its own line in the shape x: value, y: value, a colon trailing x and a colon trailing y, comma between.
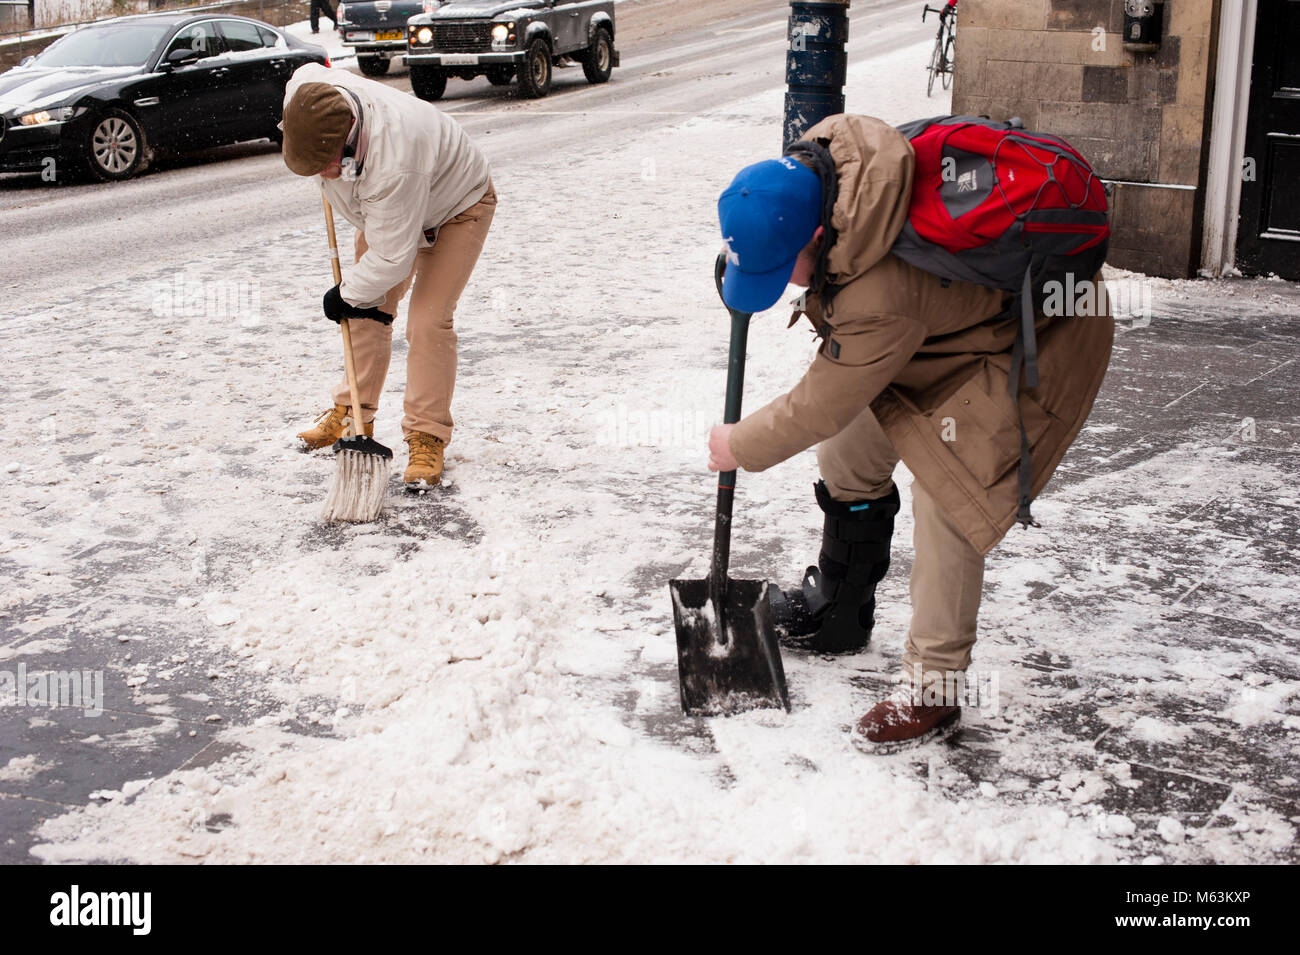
x: 941, y: 59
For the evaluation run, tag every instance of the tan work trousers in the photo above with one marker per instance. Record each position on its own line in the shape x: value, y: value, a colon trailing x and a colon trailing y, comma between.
x: 440, y: 274
x: 947, y: 573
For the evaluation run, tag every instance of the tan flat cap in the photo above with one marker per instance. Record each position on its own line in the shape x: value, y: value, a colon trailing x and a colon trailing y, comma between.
x: 316, y: 125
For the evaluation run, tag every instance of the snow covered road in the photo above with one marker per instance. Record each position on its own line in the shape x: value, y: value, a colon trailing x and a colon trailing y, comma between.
x: 488, y: 673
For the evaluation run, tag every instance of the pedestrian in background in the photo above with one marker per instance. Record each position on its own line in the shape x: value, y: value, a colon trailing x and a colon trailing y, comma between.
x: 317, y: 8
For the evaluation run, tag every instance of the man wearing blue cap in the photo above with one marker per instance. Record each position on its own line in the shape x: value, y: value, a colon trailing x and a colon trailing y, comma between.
x: 911, y: 366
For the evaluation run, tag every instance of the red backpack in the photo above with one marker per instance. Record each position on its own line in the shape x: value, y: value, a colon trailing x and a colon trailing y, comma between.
x: 1000, y: 206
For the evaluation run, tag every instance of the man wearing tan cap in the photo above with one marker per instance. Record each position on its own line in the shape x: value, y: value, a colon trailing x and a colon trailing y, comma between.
x: 420, y: 196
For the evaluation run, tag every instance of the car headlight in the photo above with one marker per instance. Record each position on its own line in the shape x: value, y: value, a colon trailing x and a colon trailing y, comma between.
x: 40, y: 117
x: 503, y: 34
x: 424, y: 36
x: 343, y: 13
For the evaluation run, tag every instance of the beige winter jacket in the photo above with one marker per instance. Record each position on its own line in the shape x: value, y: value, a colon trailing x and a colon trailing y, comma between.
x: 419, y: 171
x: 930, y: 357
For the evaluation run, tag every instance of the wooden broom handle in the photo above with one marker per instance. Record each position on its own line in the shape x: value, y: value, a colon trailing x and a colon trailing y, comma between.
x: 349, y: 364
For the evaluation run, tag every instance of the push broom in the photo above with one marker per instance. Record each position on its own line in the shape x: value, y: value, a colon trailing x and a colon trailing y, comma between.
x: 361, y: 464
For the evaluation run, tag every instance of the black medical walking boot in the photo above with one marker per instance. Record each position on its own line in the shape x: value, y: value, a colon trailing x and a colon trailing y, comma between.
x: 834, y: 610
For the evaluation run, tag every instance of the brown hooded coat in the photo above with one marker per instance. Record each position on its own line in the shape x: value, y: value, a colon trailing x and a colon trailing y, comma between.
x: 930, y: 357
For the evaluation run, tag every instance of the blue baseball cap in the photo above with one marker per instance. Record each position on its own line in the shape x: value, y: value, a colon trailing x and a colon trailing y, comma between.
x: 768, y: 214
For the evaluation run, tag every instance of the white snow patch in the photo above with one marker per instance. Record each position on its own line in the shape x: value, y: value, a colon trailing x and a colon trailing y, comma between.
x: 22, y: 768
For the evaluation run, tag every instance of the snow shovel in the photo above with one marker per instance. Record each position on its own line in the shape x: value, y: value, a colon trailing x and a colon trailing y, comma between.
x: 727, y: 655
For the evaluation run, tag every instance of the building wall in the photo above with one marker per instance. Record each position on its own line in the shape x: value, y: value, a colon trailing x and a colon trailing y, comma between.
x: 1061, y: 66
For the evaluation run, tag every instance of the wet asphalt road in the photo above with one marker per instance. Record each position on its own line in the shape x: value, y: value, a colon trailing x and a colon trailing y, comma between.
x: 227, y: 196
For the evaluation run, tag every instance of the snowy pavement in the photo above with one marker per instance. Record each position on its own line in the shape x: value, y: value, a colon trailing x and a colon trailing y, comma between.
x: 488, y: 672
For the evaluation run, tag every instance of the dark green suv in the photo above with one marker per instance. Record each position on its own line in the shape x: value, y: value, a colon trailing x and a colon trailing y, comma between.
x: 505, y: 40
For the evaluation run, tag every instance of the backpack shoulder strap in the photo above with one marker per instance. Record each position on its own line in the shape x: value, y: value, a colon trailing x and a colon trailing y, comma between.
x: 1024, y: 354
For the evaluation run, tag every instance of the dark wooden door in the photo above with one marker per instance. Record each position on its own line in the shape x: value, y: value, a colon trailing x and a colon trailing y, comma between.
x: 1268, y: 234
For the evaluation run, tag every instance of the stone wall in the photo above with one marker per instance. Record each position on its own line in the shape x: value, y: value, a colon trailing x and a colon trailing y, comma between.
x: 1061, y: 66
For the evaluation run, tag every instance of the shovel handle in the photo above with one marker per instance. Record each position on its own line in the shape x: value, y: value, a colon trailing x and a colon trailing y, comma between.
x: 349, y: 364
x: 735, y: 357
x: 731, y: 414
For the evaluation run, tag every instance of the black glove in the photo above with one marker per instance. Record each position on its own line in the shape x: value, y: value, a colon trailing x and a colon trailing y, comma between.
x: 336, y: 309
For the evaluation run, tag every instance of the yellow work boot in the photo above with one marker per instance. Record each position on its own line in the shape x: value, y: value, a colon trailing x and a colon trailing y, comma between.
x: 425, y: 466
x: 329, y: 427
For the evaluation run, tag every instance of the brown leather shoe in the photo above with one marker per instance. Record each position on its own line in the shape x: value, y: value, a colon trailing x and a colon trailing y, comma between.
x: 330, y: 426
x: 896, y: 724
x: 424, y: 468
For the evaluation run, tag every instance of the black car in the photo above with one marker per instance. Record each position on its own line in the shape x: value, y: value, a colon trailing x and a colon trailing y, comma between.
x: 101, y: 99
x: 376, y: 29
x: 503, y: 39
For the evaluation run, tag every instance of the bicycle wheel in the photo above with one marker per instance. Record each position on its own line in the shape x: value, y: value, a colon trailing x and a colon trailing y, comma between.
x: 936, y: 64
x: 947, y: 63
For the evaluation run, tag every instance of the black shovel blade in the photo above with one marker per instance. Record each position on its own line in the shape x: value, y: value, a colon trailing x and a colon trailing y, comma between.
x: 362, y: 445
x: 742, y: 671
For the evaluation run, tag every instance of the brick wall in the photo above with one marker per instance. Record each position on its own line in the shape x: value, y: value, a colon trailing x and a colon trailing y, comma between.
x: 1061, y: 66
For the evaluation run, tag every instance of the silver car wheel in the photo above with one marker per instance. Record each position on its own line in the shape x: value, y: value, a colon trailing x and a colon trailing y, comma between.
x: 114, y: 145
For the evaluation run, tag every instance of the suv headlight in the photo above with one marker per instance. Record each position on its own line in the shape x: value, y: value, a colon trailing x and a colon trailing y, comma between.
x: 424, y: 36
x: 503, y: 34
x: 40, y: 117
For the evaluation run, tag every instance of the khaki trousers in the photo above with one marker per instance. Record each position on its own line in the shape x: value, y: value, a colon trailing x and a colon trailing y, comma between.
x: 440, y: 274
x: 947, y: 573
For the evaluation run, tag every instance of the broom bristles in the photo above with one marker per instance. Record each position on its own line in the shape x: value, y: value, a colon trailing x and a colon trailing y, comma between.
x: 357, y: 492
